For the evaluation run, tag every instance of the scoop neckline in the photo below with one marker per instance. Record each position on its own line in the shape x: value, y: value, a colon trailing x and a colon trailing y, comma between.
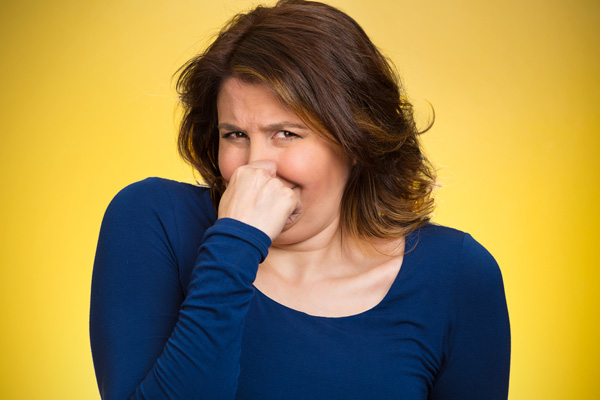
x: 404, y: 267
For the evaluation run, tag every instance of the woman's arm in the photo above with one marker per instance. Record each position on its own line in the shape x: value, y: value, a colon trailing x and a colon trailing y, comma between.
x: 147, y: 340
x: 477, y: 356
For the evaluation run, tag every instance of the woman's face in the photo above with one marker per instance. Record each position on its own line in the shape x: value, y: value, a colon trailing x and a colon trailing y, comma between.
x: 254, y: 125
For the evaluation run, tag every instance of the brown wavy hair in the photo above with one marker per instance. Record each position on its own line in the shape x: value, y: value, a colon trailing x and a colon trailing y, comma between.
x: 324, y: 67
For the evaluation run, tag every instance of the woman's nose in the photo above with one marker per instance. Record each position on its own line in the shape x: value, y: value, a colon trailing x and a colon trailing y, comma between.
x: 261, y: 151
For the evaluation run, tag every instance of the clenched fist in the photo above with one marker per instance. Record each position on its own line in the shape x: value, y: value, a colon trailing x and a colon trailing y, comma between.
x: 255, y: 196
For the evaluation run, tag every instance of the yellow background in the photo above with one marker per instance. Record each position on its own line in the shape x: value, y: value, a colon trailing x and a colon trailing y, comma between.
x: 87, y: 107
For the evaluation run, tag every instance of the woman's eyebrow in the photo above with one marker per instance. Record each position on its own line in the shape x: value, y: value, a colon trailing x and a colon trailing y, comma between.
x: 283, y: 125
x: 228, y: 127
x: 271, y: 127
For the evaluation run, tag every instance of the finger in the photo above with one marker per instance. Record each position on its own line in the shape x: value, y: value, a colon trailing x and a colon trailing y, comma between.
x: 267, y: 165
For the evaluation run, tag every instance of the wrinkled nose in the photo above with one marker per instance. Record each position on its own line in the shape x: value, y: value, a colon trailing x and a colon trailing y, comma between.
x: 261, y: 151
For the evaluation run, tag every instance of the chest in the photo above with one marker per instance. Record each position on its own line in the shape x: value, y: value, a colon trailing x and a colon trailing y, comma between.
x: 292, y: 355
x: 344, y: 295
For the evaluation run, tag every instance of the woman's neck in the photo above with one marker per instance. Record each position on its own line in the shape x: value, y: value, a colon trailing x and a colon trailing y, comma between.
x: 332, y: 257
x: 342, y: 278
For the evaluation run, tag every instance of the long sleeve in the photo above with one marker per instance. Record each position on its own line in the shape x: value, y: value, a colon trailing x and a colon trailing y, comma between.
x: 149, y: 339
x: 477, y: 355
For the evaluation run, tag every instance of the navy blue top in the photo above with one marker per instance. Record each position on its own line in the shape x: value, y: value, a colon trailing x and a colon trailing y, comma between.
x: 174, y: 314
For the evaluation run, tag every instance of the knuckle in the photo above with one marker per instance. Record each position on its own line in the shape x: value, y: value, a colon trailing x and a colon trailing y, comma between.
x: 263, y: 173
x: 238, y: 172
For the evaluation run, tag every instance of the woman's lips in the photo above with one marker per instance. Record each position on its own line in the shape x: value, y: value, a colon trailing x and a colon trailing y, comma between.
x: 292, y: 218
x: 294, y: 215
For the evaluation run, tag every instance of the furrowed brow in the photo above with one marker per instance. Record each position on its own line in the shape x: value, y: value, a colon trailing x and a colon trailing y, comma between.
x: 228, y: 127
x: 284, y: 125
x: 269, y: 128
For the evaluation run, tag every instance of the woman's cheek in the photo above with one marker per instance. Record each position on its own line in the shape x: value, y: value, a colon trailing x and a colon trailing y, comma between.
x: 299, y: 168
x: 229, y: 161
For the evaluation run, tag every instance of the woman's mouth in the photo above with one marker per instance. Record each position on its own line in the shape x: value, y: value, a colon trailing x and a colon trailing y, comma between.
x: 291, y: 220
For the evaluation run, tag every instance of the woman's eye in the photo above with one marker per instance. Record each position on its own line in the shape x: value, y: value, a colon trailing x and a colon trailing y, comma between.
x: 233, y: 135
x: 286, y: 135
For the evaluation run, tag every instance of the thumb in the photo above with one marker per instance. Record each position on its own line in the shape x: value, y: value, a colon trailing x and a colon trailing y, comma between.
x: 268, y: 165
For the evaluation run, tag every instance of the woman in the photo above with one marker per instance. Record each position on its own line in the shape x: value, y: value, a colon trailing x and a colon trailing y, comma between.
x: 307, y: 269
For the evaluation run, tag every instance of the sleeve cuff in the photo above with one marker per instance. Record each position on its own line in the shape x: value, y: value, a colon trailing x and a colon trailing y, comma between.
x: 237, y: 229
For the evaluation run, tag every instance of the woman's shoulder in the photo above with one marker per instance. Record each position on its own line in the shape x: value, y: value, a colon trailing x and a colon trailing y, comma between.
x: 445, y: 240
x: 452, y: 254
x: 459, y: 272
x: 159, y: 195
x: 158, y: 215
x: 161, y: 205
x: 464, y: 298
x: 156, y: 189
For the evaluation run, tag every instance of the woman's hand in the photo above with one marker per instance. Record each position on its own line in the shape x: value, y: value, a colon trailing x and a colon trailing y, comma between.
x: 255, y: 196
